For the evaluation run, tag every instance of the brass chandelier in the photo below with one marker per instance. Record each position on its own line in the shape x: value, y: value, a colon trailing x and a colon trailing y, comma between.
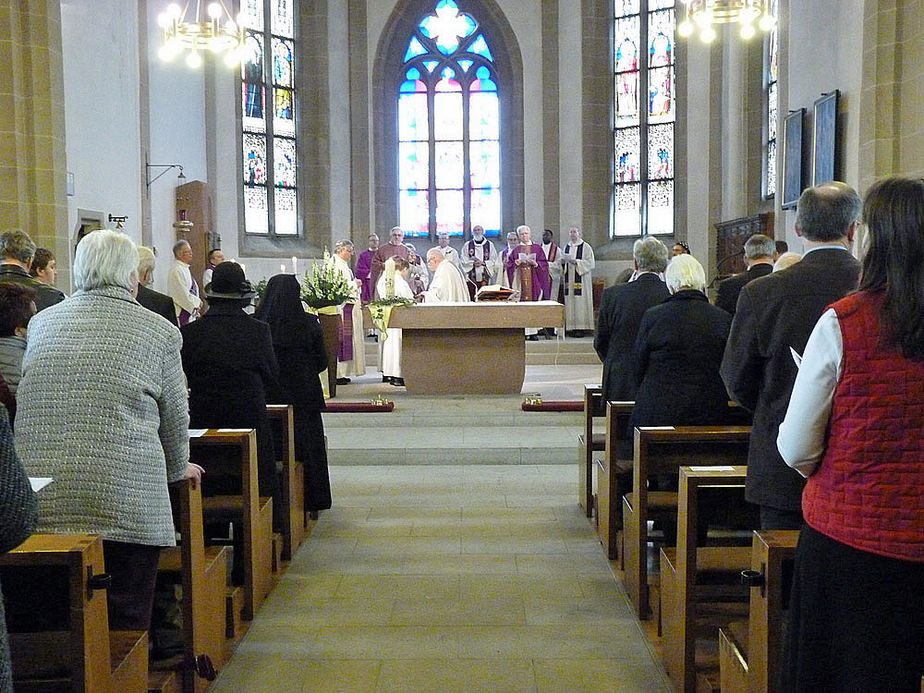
x: 704, y: 15
x: 217, y: 32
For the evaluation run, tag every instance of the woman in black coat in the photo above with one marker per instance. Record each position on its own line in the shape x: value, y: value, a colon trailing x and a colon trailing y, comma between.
x: 299, y: 346
x: 677, y: 355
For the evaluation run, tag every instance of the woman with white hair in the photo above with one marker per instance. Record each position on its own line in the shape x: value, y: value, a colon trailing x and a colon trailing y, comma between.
x: 103, y: 411
x: 677, y: 354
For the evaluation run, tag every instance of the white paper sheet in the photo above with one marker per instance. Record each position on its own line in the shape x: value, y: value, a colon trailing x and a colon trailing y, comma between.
x: 39, y: 482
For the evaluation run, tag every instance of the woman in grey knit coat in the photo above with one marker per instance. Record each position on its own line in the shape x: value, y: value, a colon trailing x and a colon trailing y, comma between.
x: 102, y: 410
x: 18, y: 514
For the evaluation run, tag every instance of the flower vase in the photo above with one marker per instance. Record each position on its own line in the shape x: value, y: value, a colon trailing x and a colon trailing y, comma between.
x: 330, y: 326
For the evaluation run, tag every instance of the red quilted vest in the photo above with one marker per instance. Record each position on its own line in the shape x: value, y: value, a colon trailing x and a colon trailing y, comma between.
x: 868, y: 491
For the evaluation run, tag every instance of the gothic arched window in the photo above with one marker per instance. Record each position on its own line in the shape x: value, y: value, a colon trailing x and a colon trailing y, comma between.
x: 771, y: 71
x: 644, y: 117
x: 448, y: 128
x: 269, y: 144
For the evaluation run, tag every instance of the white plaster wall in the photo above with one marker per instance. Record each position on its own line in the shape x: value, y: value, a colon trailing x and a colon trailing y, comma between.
x: 699, y: 115
x: 571, y: 132
x: 177, y: 135
x: 100, y: 49
x: 825, y: 41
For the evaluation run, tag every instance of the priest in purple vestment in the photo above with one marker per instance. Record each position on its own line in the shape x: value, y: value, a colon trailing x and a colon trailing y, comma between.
x: 364, y: 268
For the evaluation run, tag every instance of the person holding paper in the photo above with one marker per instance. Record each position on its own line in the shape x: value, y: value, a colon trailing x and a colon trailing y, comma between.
x: 577, y: 262
x: 529, y: 268
x: 478, y: 260
x: 103, y: 411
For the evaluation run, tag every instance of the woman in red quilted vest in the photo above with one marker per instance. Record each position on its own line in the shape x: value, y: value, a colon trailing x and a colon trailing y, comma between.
x: 855, y: 429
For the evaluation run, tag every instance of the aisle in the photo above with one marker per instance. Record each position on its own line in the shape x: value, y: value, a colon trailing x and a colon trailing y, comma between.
x: 447, y: 578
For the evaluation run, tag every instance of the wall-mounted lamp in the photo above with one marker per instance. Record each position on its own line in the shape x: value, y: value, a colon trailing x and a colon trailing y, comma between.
x: 119, y: 220
x: 180, y: 179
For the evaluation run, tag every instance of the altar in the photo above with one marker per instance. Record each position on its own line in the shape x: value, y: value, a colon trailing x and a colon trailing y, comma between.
x: 469, y: 348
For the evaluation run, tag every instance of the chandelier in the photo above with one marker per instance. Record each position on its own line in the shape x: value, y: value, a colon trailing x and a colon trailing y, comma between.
x: 217, y: 32
x: 703, y: 15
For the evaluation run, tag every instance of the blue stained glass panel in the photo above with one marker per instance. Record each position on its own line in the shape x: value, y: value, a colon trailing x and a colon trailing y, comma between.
x: 413, y: 74
x: 486, y: 210
x: 480, y: 47
x: 465, y: 64
x: 414, y: 49
x: 431, y: 65
x: 483, y: 85
x: 252, y: 107
x: 414, y: 165
x: 256, y: 219
x: 483, y: 72
x: 627, y: 155
x: 284, y: 112
x: 772, y: 108
x: 661, y: 151
x: 448, y: 81
x: 447, y: 116
x: 252, y: 11
x: 627, y: 37
x: 661, y: 94
x: 484, y: 164
x: 412, y: 117
x: 414, y: 212
x: 660, y: 38
x: 282, y: 63
x: 254, y: 159
x: 624, y: 7
x: 286, y: 212
x: 282, y: 17
x: 483, y: 116
x: 448, y: 165
x: 449, y: 212
x: 284, y: 162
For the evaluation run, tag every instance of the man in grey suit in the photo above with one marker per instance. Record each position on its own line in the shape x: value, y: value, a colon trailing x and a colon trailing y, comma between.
x: 775, y: 317
x: 759, y: 256
x: 621, y: 311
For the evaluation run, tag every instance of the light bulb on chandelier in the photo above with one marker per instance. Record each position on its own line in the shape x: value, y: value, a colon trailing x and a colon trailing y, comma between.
x: 704, y: 15
x: 193, y: 32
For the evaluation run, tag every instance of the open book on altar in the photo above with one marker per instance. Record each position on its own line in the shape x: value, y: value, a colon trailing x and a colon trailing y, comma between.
x: 493, y: 292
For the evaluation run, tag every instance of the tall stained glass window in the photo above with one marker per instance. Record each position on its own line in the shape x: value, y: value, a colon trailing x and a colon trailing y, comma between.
x: 268, y: 118
x: 448, y: 128
x: 771, y: 71
x: 644, y: 113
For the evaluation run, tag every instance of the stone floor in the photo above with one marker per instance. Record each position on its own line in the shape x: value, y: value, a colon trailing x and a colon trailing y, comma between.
x: 440, y: 569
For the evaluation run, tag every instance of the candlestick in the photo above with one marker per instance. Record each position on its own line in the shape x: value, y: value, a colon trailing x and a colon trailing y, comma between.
x: 294, y: 265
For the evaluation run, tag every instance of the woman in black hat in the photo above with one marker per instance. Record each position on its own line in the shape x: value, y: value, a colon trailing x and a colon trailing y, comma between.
x: 299, y: 345
x: 229, y: 363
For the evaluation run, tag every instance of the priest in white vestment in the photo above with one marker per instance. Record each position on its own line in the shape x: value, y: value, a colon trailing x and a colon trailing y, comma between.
x: 393, y: 284
x: 351, y: 357
x: 478, y: 260
x: 577, y: 259
x: 447, y: 284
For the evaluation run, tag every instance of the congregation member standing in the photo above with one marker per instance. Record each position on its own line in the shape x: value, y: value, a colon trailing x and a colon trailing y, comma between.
x: 351, y: 356
x: 854, y: 427
x: 775, y: 315
x: 364, y: 268
x: 621, y: 312
x: 181, y: 286
x: 229, y: 363
x: 152, y: 300
x: 18, y: 252
x: 478, y: 260
x: 759, y: 255
x: 17, y: 306
x: 447, y: 285
x: 450, y: 253
x: 577, y: 261
x: 44, y: 267
x: 103, y: 411
x: 18, y: 517
x: 216, y: 257
x: 298, y: 343
x: 394, y: 248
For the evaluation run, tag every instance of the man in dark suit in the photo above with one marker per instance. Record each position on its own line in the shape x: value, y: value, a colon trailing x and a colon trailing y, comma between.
x: 759, y: 256
x: 775, y: 316
x: 154, y: 301
x: 17, y: 251
x: 621, y: 313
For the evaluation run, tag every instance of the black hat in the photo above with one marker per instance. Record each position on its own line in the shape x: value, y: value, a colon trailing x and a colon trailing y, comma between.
x: 228, y: 282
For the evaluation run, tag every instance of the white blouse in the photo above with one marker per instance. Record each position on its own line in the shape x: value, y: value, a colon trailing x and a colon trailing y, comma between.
x: 803, y: 434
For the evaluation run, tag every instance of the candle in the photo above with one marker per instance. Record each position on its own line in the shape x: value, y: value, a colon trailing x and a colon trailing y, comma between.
x: 282, y: 268
x: 294, y: 265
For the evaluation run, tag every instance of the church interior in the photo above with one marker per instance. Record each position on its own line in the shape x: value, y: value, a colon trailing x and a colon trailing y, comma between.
x: 456, y: 555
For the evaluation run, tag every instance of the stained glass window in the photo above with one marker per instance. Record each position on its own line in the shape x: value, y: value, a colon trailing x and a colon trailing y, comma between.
x: 268, y: 112
x: 643, y: 136
x: 448, y: 128
x: 771, y: 62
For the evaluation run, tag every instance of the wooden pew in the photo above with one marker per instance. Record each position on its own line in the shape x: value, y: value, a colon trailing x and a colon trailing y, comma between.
x: 663, y: 450
x: 282, y: 419
x: 231, y: 455
x: 55, y: 590
x: 202, y: 572
x: 750, y: 655
x: 588, y: 444
x: 688, y: 604
x: 613, y: 479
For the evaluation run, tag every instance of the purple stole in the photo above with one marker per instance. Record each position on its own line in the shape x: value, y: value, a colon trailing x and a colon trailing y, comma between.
x: 577, y: 277
x: 346, y: 334
x: 185, y: 316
